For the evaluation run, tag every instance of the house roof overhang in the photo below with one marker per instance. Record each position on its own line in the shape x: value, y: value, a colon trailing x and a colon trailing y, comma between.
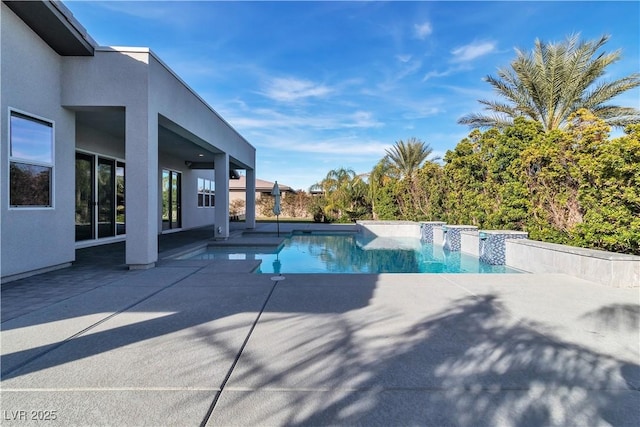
x: 262, y: 186
x: 55, y: 24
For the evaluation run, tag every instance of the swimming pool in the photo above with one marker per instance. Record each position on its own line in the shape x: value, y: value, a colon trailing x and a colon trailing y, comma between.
x: 354, y: 253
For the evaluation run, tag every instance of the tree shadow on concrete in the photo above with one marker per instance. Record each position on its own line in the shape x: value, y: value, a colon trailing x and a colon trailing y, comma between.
x: 617, y: 316
x: 470, y: 364
x: 202, y: 302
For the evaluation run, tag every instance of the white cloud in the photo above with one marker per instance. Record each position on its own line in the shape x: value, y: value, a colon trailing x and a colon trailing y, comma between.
x: 159, y: 11
x: 422, y: 112
x: 394, y: 77
x: 404, y: 58
x: 432, y: 74
x: 291, y: 89
x: 421, y: 31
x: 362, y: 119
x: 339, y: 146
x: 411, y: 68
x: 424, y: 108
x: 263, y: 118
x: 343, y: 147
x: 472, y: 51
x: 451, y: 70
x: 471, y: 93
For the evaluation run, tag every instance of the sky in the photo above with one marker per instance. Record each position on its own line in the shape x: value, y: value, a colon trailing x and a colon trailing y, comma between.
x: 316, y: 86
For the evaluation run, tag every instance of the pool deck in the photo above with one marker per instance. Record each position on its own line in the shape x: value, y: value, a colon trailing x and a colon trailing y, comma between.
x: 199, y: 342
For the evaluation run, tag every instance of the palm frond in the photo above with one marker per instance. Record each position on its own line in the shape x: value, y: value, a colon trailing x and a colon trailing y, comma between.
x: 482, y: 121
x: 407, y: 157
x: 553, y: 81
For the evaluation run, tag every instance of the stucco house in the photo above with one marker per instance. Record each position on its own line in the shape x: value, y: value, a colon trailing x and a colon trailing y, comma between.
x: 238, y: 190
x: 102, y: 144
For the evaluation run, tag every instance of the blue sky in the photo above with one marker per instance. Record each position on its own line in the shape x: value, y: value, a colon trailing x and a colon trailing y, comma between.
x: 319, y: 85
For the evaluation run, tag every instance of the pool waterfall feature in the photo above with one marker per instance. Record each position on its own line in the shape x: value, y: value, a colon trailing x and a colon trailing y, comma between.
x: 513, y: 249
x: 488, y: 245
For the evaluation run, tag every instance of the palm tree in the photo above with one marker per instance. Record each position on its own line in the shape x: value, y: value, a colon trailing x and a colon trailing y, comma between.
x: 406, y: 158
x: 554, y: 81
x: 344, y: 193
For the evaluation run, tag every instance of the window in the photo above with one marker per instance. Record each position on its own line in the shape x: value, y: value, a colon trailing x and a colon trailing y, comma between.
x: 206, y: 196
x: 30, y: 161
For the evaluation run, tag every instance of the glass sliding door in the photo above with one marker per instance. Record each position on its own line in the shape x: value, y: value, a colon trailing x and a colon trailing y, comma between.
x: 166, y: 192
x: 100, y: 186
x: 171, y: 199
x: 176, y: 220
x: 106, y: 198
x: 85, y: 218
x: 120, y: 208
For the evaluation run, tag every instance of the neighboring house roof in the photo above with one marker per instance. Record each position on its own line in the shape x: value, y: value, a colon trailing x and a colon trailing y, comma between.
x: 262, y: 186
x: 55, y: 24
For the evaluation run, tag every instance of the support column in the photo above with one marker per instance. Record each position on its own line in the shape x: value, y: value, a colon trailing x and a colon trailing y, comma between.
x: 250, y: 197
x: 141, y: 188
x: 221, y: 219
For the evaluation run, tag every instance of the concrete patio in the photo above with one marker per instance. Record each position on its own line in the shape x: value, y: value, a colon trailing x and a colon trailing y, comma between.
x: 201, y: 342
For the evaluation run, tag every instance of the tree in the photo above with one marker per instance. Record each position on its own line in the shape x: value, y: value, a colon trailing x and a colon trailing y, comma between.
x: 469, y: 198
x: 265, y: 204
x: 422, y: 198
x: 344, y: 196
x: 406, y: 158
x: 237, y: 207
x: 609, y: 194
x: 296, y: 205
x: 552, y: 82
x: 382, y: 204
x: 571, y: 186
x: 401, y: 165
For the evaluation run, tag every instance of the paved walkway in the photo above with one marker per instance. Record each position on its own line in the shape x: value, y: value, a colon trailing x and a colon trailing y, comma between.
x: 209, y: 343
x: 94, y: 267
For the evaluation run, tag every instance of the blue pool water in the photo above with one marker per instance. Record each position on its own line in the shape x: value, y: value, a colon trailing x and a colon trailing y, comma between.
x: 353, y: 253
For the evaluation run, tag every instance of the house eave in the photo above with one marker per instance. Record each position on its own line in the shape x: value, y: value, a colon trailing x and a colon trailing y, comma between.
x: 55, y: 24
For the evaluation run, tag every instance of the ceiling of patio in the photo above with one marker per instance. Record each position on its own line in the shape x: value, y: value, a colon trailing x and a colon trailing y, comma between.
x: 172, y: 139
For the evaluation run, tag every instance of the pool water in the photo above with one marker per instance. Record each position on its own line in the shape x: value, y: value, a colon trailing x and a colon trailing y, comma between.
x: 353, y: 253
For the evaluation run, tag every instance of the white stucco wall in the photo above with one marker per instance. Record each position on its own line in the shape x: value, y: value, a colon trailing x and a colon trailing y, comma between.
x: 30, y: 77
x: 113, y: 78
x: 177, y: 102
x: 36, y: 80
x: 94, y: 141
x: 192, y: 215
x: 108, y: 79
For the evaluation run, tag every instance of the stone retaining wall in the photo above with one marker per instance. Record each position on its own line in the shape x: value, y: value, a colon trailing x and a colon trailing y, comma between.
x: 390, y: 228
x: 607, y: 268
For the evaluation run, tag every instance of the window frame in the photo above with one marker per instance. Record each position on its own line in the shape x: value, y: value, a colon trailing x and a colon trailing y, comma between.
x: 15, y: 112
x: 206, y: 194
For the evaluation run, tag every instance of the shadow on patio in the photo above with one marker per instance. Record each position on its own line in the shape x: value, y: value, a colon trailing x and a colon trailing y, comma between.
x: 326, y: 350
x: 470, y: 364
